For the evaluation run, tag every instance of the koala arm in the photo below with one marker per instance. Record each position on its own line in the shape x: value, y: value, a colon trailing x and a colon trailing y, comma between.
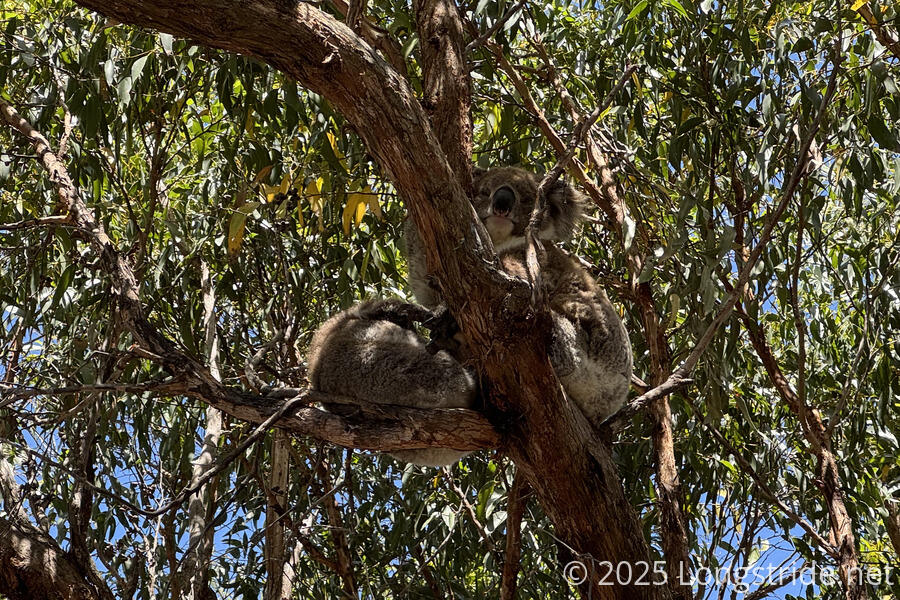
x: 404, y: 314
x: 420, y: 280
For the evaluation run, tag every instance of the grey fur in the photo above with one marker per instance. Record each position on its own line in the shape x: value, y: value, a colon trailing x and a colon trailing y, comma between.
x: 366, y: 354
x: 424, y: 289
x: 589, y: 348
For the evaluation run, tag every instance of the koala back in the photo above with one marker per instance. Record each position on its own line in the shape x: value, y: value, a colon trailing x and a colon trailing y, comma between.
x: 361, y: 355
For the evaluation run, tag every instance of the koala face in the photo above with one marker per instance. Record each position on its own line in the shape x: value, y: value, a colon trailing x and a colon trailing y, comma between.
x: 505, y: 196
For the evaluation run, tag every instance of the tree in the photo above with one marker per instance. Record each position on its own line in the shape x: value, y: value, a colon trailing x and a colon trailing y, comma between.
x: 185, y: 200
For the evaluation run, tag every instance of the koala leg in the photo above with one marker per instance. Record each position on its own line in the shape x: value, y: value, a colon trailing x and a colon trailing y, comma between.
x: 591, y: 355
x: 378, y: 361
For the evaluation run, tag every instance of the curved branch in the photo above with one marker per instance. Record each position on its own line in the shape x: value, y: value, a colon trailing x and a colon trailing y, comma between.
x: 571, y: 470
x: 368, y: 427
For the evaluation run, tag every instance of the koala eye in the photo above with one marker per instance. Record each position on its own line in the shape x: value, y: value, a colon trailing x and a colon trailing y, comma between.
x: 503, y: 200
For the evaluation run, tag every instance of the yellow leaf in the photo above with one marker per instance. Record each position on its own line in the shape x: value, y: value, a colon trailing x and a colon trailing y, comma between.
x: 250, y: 125
x: 314, y: 195
x: 262, y: 174
x: 372, y: 202
x: 350, y: 211
x: 859, y: 4
x: 236, y: 227
x: 360, y: 210
x: 270, y: 191
x: 285, y: 183
x: 337, y: 151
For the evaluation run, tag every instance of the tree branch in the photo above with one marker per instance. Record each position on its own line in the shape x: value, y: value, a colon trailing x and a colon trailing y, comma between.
x: 389, y: 429
x: 515, y: 510
x: 882, y: 33
x: 771, y: 496
x: 484, y: 37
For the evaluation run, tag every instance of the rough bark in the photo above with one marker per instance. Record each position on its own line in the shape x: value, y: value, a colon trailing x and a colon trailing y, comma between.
x: 375, y: 428
x: 672, y: 528
x: 32, y: 565
x: 892, y: 524
x: 571, y: 471
x: 509, y: 581
x: 447, y: 94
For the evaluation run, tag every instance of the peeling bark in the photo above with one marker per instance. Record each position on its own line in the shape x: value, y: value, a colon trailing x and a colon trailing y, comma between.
x: 195, y: 572
x: 446, y: 85
x: 276, y: 504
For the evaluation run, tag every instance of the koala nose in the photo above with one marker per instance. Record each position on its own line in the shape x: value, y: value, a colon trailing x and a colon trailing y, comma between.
x: 503, y: 200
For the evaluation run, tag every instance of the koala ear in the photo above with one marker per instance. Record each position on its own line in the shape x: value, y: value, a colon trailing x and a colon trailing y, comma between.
x: 477, y: 172
x: 564, y: 196
x: 564, y: 207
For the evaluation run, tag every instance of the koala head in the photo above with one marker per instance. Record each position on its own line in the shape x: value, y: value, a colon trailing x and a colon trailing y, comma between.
x: 505, y: 196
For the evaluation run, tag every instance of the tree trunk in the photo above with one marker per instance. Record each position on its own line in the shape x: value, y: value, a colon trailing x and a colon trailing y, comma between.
x: 32, y: 566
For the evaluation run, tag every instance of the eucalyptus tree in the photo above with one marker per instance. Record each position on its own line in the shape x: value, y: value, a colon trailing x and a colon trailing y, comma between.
x: 188, y: 189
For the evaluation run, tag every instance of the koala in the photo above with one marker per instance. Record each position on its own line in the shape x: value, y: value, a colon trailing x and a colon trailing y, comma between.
x: 372, y: 353
x: 589, y: 348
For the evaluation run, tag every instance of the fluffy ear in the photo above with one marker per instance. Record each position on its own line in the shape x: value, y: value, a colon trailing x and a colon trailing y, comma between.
x: 564, y: 196
x: 564, y: 207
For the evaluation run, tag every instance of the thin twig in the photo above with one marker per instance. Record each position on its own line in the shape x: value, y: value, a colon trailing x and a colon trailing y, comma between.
x: 485, y: 536
x: 168, y: 387
x: 683, y: 372
x: 253, y: 362
x: 769, y: 494
x: 534, y: 251
x: 52, y: 221
x: 477, y: 43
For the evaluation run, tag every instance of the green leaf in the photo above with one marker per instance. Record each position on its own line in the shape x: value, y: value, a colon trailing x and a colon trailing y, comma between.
x: 138, y: 67
x: 637, y: 10
x: 880, y: 132
x: 678, y: 7
x: 166, y: 40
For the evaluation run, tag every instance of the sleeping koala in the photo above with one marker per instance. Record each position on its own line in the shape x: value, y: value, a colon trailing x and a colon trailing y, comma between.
x: 372, y: 353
